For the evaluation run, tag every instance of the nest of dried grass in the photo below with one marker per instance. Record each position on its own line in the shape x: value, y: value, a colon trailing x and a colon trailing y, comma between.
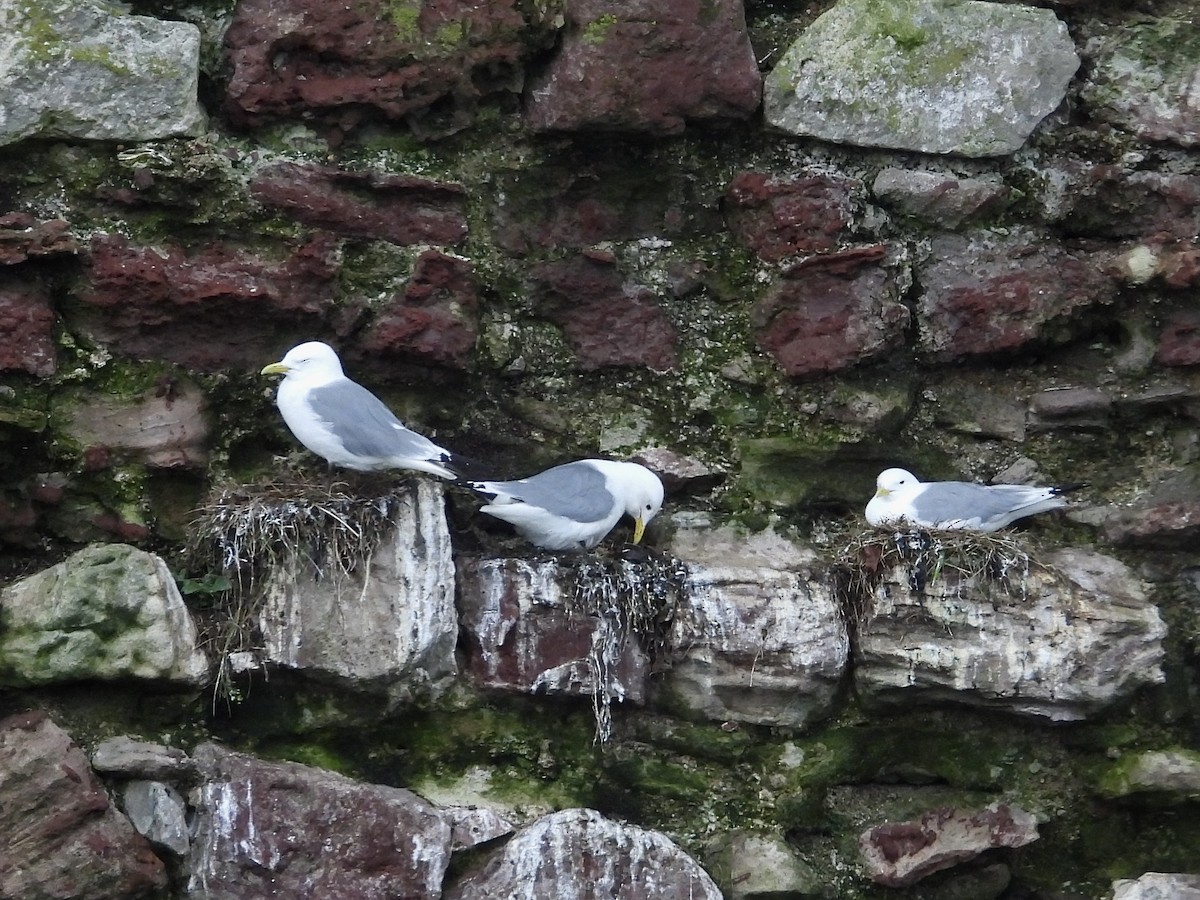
x: 1000, y: 558
x: 242, y: 533
x: 634, y: 597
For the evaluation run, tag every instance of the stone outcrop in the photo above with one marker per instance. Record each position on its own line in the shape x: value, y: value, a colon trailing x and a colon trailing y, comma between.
x: 964, y: 638
x: 607, y: 320
x: 77, y: 70
x: 782, y: 217
x: 369, y: 58
x: 273, y: 301
x: 109, y: 612
x: 973, y: 80
x: 166, y: 427
x: 756, y: 645
x: 283, y: 829
x: 1155, y: 776
x: 1158, y: 886
x: 60, y: 834
x: 898, y: 854
x: 579, y: 852
x: 1144, y: 76
x: 399, y: 209
x: 387, y: 621
x: 991, y: 293
x: 529, y: 629
x: 645, y: 67
x: 834, y: 310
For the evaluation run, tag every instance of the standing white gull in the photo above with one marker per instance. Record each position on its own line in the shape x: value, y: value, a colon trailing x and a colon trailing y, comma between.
x: 343, y: 422
x: 900, y: 497
x: 573, y: 506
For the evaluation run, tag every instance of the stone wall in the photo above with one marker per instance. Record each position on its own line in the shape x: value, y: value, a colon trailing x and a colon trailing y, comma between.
x: 767, y: 249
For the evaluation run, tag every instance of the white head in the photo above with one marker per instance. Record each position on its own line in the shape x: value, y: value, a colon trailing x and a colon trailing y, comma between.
x: 892, y: 480
x: 312, y: 358
x: 643, y: 496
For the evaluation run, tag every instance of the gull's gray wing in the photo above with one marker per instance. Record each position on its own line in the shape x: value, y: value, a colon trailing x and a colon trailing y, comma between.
x: 365, y: 426
x: 955, y: 501
x: 575, y: 491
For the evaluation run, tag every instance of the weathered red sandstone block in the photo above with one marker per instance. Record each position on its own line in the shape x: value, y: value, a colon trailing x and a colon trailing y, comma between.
x: 26, y: 328
x: 647, y: 66
x: 345, y: 60
x: 61, y: 835
x: 211, y: 308
x: 832, y: 311
x: 901, y: 853
x: 23, y: 237
x: 781, y: 217
x: 396, y: 208
x: 435, y: 318
x: 524, y: 634
x: 997, y: 293
x: 607, y: 321
x: 1179, y: 342
x: 280, y: 829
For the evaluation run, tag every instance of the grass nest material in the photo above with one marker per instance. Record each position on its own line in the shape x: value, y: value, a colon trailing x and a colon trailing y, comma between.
x: 1000, y: 558
x: 634, y: 597
x: 242, y: 533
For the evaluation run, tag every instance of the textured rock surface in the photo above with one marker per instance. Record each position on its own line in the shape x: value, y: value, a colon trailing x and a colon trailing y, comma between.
x: 170, y: 304
x: 756, y: 645
x: 973, y: 79
x: 760, y: 868
x: 389, y: 623
x: 108, y: 612
x: 607, y: 320
x: 1171, y: 776
x: 26, y: 328
x: 76, y: 70
x: 1158, y: 886
x: 1145, y: 80
x: 781, y: 217
x: 398, y: 209
x: 282, y: 829
x: 580, y: 853
x: 643, y: 66
x: 127, y: 757
x: 165, y: 428
x: 897, y: 854
x: 435, y: 319
x: 965, y: 640
x: 59, y: 834
x: 158, y: 813
x: 367, y: 58
x: 526, y: 631
x: 991, y: 293
x: 833, y: 310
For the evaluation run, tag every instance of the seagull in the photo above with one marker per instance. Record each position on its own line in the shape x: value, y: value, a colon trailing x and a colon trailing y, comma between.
x: 341, y: 421
x: 573, y: 506
x: 900, y: 497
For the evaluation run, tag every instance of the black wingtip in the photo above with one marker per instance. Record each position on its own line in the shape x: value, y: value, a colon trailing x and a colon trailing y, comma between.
x: 1073, y: 486
x: 465, y: 469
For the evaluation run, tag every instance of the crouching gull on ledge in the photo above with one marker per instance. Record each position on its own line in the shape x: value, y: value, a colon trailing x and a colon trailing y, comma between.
x: 900, y: 497
x: 573, y: 506
x: 345, y: 423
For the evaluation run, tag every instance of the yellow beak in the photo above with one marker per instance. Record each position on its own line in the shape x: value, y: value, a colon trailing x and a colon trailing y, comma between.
x: 639, y: 528
x: 880, y: 492
x: 274, y: 369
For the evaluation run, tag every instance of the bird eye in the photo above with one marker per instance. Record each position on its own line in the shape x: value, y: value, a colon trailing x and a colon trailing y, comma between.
x: 649, y: 506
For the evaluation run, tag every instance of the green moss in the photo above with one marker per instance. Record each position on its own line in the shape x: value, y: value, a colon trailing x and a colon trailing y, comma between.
x: 898, y: 21
x: 450, y: 35
x: 596, y: 31
x: 405, y: 16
